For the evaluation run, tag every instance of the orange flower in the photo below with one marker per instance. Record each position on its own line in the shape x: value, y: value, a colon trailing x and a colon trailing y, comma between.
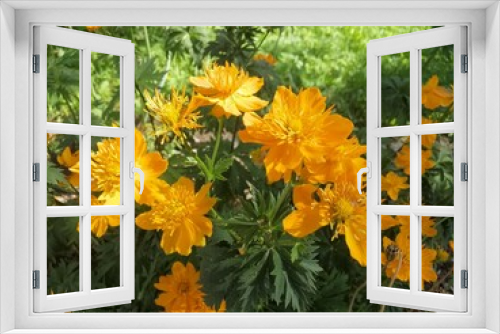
x: 181, y: 217
x: 99, y: 224
x: 392, y: 184
x: 428, y: 140
x: 434, y: 96
x: 403, y: 160
x: 297, y: 132
x: 339, y: 207
x: 229, y: 89
x: 427, y: 223
x: 69, y: 160
x: 340, y: 165
x: 268, y: 58
x: 92, y: 28
x: 153, y: 165
x: 396, y: 259
x: 181, y: 290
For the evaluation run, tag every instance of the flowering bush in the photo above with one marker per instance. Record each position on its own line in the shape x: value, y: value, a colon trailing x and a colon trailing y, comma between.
x: 250, y: 200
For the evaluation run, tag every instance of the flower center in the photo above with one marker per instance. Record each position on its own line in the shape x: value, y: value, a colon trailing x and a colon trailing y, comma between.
x: 343, y: 209
x: 183, y: 287
x: 177, y: 209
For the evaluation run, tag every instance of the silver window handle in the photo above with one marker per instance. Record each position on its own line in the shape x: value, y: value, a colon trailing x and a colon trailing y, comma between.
x: 133, y: 170
x: 368, y: 172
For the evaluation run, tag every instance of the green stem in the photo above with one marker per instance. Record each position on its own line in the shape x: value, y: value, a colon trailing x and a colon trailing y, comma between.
x: 217, y: 142
x: 356, y: 292
x: 203, y: 168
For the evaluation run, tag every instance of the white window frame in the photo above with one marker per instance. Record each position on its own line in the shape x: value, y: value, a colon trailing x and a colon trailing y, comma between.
x: 86, y: 44
x: 484, y: 103
x: 413, y: 44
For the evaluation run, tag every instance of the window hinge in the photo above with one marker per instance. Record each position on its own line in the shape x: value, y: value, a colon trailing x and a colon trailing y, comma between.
x: 464, y: 172
x: 36, y: 279
x: 36, y: 172
x: 464, y: 279
x: 36, y: 63
x: 465, y: 64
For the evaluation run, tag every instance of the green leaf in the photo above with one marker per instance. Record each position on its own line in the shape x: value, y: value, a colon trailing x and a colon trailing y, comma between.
x: 221, y: 166
x: 54, y: 174
x: 333, y: 294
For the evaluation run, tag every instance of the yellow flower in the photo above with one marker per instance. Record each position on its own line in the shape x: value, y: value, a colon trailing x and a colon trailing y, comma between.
x: 174, y: 114
x: 230, y: 90
x: 434, y: 96
x: 428, y: 140
x: 442, y: 255
x: 392, y: 184
x: 452, y: 245
x: 106, y: 170
x: 403, y: 160
x: 99, y: 224
x: 297, y: 132
x: 268, y: 58
x: 396, y: 259
x: 181, y: 290
x: 181, y: 217
x: 69, y: 160
x: 338, y: 207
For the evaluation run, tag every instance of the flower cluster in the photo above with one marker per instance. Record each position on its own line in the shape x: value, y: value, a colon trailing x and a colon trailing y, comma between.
x: 396, y: 253
x: 288, y: 138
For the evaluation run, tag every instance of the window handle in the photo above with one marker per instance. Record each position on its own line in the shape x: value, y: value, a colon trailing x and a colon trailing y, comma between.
x: 141, y: 175
x: 368, y: 172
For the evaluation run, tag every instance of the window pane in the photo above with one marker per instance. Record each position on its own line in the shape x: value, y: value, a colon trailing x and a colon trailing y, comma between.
x: 63, y: 169
x: 395, y: 233
x: 395, y: 182
x: 105, y: 252
x: 105, y: 72
x: 437, y: 254
x: 63, y: 255
x: 437, y: 84
x: 437, y: 169
x: 105, y: 171
x: 63, y: 85
x: 395, y: 95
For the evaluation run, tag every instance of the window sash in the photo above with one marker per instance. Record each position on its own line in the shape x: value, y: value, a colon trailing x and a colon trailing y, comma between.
x: 87, y: 43
x: 413, y: 43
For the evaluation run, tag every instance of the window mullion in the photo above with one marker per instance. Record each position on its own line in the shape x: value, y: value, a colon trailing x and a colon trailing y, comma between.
x: 85, y: 188
x: 414, y: 169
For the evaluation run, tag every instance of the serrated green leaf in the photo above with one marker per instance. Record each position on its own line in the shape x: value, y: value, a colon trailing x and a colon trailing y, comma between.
x: 222, y: 165
x: 54, y: 174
